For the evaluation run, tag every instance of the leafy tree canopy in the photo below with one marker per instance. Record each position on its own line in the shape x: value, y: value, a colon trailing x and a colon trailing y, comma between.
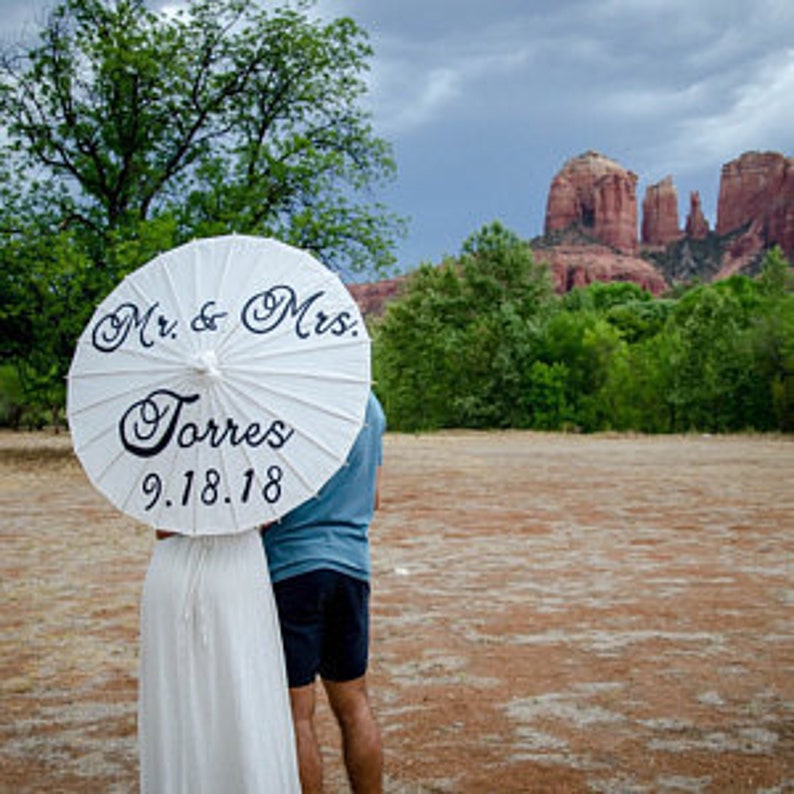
x: 601, y: 296
x: 481, y: 341
x: 227, y: 116
x: 455, y: 350
x: 125, y: 132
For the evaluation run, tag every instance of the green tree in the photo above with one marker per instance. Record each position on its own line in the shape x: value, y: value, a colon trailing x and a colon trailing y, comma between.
x: 601, y: 296
x: 639, y: 320
x: 771, y: 338
x: 630, y: 309
x: 705, y: 333
x: 546, y: 396
x: 124, y: 132
x: 639, y: 385
x: 731, y: 344
x: 780, y: 364
x: 41, y: 314
x: 229, y: 116
x: 507, y: 297
x: 457, y: 349
x: 414, y: 347
x: 777, y: 274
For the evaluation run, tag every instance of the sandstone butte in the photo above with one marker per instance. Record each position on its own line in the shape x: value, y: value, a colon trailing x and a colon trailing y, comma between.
x: 697, y: 227
x: 591, y: 224
x: 597, y: 195
x: 660, y: 214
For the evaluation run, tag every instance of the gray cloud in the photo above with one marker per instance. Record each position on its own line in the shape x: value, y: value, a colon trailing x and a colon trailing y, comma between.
x: 484, y: 100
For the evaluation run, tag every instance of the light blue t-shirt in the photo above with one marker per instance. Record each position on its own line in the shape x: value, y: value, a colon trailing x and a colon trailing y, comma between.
x: 331, y: 530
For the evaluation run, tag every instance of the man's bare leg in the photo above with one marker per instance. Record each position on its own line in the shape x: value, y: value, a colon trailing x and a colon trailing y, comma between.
x: 360, y: 735
x: 310, y: 761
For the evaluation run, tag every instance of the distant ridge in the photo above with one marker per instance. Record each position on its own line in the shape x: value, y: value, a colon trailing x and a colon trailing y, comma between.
x: 592, y: 231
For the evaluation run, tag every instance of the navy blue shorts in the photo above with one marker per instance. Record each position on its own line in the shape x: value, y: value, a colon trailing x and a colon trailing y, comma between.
x: 324, y: 618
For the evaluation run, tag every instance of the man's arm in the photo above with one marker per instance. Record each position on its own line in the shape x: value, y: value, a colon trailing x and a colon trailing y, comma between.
x: 377, y: 488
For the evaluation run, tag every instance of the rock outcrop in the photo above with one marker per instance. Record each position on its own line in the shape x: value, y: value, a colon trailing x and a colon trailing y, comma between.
x: 575, y: 265
x: 598, y: 196
x: 697, y: 227
x: 572, y: 264
x: 660, y: 214
x: 594, y: 195
x: 373, y: 296
x: 757, y: 191
x: 591, y: 227
x: 742, y: 251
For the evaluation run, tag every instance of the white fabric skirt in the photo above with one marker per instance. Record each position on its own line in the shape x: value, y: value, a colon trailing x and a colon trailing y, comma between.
x: 213, y: 710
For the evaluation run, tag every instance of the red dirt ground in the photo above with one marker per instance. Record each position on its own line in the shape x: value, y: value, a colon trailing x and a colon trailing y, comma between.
x: 551, y: 613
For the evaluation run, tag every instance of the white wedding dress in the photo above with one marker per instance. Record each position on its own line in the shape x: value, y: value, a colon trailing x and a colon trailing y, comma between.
x: 213, y: 712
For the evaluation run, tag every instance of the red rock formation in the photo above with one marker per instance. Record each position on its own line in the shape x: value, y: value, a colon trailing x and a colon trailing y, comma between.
x: 574, y: 265
x: 742, y: 250
x: 571, y: 265
x: 780, y: 229
x: 746, y: 188
x: 562, y: 205
x: 697, y: 227
x: 373, y: 296
x: 660, y: 214
x: 616, y: 211
x: 758, y: 188
x: 598, y: 196
x: 592, y: 197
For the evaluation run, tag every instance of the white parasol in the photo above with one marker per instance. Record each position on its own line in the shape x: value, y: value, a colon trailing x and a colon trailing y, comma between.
x: 219, y: 386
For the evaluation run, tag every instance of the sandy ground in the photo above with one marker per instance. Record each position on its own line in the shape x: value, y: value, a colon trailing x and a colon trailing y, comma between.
x: 551, y: 613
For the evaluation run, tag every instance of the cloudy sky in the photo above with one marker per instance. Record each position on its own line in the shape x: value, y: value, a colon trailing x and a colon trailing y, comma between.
x: 485, y: 100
